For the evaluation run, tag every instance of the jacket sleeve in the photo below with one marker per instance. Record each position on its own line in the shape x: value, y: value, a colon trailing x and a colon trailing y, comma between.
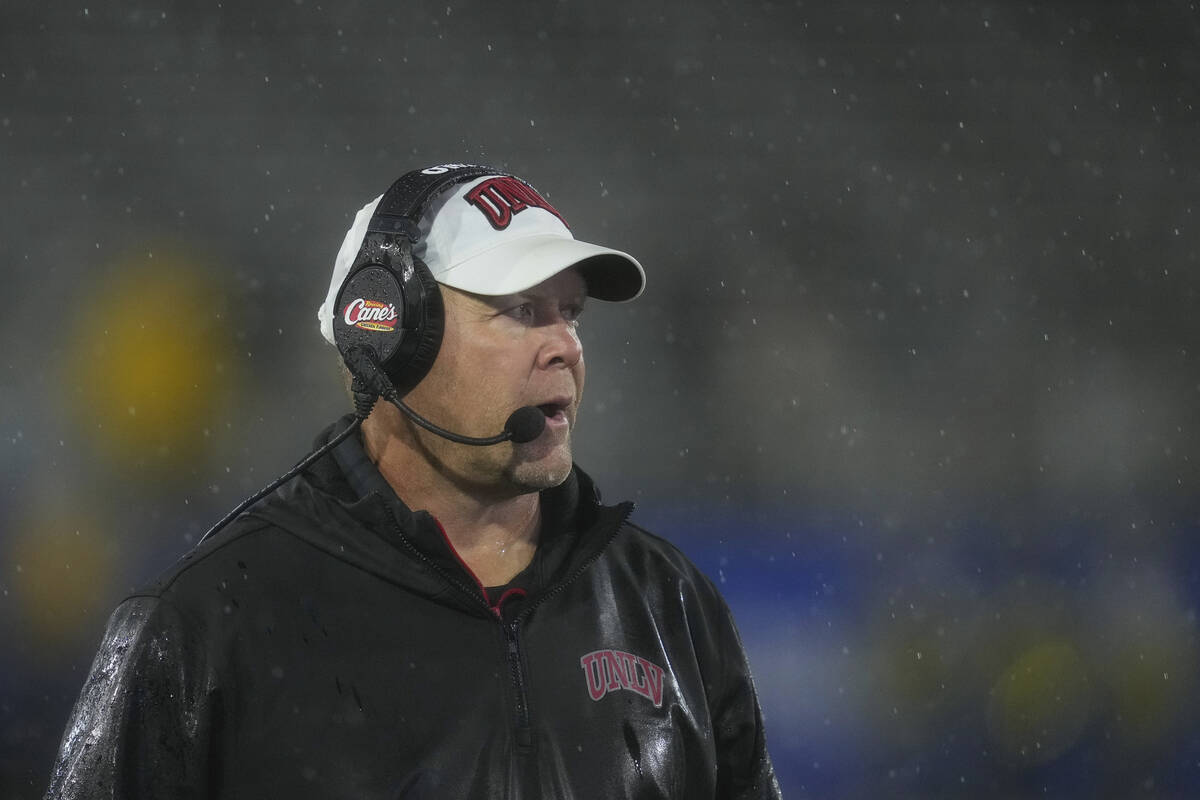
x: 744, y: 768
x: 140, y: 728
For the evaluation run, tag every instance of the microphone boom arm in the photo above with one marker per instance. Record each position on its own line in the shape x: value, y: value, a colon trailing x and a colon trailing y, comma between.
x: 445, y: 434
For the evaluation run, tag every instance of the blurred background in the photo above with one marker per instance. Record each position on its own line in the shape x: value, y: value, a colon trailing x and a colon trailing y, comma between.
x: 915, y: 378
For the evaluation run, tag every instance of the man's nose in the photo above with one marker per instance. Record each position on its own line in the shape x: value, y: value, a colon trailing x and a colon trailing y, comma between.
x: 562, y: 344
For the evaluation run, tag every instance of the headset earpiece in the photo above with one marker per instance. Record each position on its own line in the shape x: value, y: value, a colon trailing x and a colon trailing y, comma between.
x: 390, y: 302
x: 426, y: 339
x: 391, y: 305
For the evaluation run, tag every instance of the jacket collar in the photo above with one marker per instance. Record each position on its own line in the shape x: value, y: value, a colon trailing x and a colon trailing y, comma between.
x: 575, y: 527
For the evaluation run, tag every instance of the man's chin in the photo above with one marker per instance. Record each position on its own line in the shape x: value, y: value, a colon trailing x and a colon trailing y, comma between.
x: 545, y: 473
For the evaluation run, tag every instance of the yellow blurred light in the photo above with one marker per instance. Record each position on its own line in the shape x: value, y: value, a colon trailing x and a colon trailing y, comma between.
x: 1153, y: 685
x: 63, y: 577
x: 1040, y: 705
x: 149, y: 359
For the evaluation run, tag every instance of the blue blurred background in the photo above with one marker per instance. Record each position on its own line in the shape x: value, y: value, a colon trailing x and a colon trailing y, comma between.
x: 914, y: 380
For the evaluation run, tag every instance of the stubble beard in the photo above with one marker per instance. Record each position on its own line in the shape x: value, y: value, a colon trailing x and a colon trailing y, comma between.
x: 531, y: 474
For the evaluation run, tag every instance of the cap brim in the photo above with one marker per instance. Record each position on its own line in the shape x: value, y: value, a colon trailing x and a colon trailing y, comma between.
x: 523, y: 263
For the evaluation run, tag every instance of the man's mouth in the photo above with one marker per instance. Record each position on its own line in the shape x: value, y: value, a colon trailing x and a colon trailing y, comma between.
x: 555, y: 412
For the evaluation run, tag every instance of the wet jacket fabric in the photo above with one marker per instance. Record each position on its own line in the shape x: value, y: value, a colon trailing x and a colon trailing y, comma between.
x: 329, y: 643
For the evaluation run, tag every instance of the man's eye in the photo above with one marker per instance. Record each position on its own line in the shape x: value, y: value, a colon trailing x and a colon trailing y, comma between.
x: 572, y: 312
x: 522, y: 312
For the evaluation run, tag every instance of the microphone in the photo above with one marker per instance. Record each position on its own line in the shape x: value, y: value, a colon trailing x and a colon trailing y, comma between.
x: 523, y: 425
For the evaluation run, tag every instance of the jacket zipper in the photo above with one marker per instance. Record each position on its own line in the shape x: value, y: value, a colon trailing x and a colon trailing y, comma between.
x: 524, y: 730
x: 512, y: 629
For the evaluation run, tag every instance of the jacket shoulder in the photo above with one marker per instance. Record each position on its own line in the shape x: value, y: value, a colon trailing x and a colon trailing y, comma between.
x: 638, y: 546
x: 655, y: 558
x: 242, y: 538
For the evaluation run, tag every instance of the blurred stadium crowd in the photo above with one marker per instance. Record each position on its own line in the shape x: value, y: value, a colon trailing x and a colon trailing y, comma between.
x: 915, y: 378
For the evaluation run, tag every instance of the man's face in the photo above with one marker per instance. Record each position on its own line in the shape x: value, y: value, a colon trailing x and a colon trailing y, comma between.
x: 498, y: 354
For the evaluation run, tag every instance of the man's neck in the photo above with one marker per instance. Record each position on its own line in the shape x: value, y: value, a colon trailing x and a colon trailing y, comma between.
x: 495, y: 536
x: 495, y: 540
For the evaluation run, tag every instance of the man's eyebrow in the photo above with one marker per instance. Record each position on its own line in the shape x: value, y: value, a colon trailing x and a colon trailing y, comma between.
x: 531, y: 294
x: 495, y: 299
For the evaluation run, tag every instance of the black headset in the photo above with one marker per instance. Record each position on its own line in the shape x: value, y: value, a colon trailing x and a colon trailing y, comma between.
x: 388, y: 319
x: 389, y: 307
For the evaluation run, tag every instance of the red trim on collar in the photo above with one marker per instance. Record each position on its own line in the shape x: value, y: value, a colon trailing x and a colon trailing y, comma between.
x: 458, y: 558
x: 513, y: 592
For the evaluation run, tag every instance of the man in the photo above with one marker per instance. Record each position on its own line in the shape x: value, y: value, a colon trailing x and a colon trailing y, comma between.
x: 428, y: 609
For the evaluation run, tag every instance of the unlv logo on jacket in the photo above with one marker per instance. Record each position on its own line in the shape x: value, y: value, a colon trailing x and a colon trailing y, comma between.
x: 608, y: 670
x: 500, y: 198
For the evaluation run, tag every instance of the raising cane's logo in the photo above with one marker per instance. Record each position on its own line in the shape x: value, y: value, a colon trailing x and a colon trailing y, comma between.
x: 609, y: 670
x: 370, y: 315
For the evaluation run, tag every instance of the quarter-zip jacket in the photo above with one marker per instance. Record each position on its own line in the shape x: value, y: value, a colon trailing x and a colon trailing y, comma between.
x: 329, y: 643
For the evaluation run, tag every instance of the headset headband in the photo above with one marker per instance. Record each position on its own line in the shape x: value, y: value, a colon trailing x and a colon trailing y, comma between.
x: 406, y: 201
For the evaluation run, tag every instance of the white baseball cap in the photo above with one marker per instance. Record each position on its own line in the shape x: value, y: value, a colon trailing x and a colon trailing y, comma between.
x: 494, y: 236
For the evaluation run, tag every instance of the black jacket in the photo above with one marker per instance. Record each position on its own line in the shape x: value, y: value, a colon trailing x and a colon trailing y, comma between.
x: 329, y: 643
